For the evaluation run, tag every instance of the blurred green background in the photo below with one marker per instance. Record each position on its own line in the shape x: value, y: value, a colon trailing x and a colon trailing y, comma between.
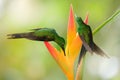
x: 30, y: 60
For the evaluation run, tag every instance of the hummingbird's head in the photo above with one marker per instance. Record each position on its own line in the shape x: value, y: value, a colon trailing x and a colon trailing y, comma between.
x: 62, y: 43
x: 78, y: 19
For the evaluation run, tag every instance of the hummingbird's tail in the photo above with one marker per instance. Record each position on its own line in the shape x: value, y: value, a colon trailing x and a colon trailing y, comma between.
x: 99, y: 51
x: 19, y: 35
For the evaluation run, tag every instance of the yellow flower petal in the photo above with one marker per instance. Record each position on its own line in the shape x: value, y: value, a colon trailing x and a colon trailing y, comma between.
x: 75, y: 47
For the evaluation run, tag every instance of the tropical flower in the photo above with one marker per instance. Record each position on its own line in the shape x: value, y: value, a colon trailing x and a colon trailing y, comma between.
x: 72, y: 48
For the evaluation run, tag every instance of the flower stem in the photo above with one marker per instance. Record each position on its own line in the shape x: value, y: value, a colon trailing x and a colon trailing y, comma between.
x: 79, y: 73
x: 80, y: 69
x: 105, y: 22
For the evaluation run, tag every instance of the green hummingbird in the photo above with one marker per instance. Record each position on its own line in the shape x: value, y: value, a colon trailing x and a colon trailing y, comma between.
x: 86, y: 36
x: 41, y: 34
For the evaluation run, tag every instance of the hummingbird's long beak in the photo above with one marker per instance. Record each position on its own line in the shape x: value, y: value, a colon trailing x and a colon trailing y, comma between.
x: 63, y: 51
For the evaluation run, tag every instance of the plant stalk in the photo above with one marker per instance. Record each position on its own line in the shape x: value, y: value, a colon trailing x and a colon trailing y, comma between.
x: 105, y: 22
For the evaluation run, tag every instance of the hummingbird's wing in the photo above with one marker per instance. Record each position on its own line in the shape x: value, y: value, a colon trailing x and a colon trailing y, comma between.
x: 82, y: 54
x: 86, y: 45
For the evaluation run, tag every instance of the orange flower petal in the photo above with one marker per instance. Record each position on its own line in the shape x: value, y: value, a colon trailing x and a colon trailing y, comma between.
x: 52, y: 50
x: 72, y: 49
x: 63, y: 61
x: 71, y: 33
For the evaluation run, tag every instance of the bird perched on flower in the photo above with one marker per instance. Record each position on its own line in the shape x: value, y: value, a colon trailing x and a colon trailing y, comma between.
x: 86, y: 36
